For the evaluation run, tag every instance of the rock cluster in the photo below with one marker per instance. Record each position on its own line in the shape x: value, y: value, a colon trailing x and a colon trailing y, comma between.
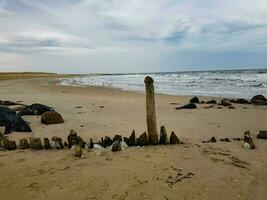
x: 256, y: 100
x: 35, y: 109
x: 13, y: 121
x: 142, y: 140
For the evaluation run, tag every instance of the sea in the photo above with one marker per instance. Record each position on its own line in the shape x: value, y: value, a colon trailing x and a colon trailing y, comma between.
x: 220, y: 83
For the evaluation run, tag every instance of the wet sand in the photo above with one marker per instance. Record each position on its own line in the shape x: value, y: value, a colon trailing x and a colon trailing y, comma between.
x: 219, y: 170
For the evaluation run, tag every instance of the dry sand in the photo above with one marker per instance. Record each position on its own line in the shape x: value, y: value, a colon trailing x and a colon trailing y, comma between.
x: 221, y: 170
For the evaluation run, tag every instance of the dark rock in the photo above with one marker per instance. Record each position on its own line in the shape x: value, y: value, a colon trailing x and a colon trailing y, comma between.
x: 101, y: 141
x: 242, y: 101
x: 231, y: 100
x: 91, y: 144
x: 117, y: 138
x: 8, y: 103
x: 81, y: 142
x: 219, y: 107
x: 174, y: 139
x: 211, y: 102
x: 225, y: 102
x: 107, y: 142
x: 207, y: 107
x: 213, y: 139
x: 12, y: 121
x: 74, y: 139
x: 26, y: 111
x: 36, y: 109
x: 187, y: 106
x: 51, y: 117
x: 163, y: 135
x: 35, y: 143
x: 58, y: 142
x: 47, y: 144
x: 78, y: 150
x: 237, y: 139
x: 24, y: 144
x: 2, y: 138
x: 231, y: 107
x: 66, y: 144
x: 225, y: 140
x: 142, y: 140
x: 131, y: 141
x: 259, y: 100
x: 248, y: 139
x: 116, y: 146
x: 262, y: 135
x: 194, y: 100
x: 13, y: 145
x: 6, y: 144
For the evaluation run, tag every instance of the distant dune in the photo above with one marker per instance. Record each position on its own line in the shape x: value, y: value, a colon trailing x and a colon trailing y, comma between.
x: 26, y: 75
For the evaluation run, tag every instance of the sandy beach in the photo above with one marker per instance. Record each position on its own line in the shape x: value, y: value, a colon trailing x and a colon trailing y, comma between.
x: 218, y: 170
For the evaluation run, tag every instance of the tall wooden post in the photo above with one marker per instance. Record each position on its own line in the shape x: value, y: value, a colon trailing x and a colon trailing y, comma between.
x: 151, y: 111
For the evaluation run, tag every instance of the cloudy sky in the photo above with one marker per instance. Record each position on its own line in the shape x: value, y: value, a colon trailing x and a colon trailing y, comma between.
x: 81, y: 36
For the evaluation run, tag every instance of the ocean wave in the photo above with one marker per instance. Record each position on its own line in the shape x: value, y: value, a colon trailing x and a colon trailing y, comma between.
x: 216, y: 83
x: 258, y: 85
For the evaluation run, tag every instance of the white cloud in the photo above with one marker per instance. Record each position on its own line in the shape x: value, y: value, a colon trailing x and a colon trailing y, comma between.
x: 102, y: 29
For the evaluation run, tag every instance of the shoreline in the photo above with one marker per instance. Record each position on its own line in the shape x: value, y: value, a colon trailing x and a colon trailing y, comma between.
x: 216, y: 85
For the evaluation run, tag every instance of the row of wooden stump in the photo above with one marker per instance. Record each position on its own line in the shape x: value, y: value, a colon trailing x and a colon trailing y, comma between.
x: 74, y: 139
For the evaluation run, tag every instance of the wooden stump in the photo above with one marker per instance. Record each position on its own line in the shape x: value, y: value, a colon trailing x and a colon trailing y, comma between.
x: 151, y: 112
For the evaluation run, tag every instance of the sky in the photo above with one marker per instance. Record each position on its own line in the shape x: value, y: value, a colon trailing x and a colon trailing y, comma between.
x: 120, y: 36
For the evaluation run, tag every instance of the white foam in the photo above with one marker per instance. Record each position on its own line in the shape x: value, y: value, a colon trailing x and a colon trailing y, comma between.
x: 213, y: 83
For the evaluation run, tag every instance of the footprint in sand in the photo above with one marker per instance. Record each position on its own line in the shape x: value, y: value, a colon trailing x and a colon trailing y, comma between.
x: 221, y: 155
x: 20, y: 160
x: 34, y: 186
x: 2, y: 164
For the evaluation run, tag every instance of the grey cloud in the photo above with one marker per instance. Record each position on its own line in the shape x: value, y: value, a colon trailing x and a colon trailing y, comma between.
x: 106, y: 28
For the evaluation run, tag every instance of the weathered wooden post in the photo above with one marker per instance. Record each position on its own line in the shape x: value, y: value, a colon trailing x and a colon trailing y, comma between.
x: 151, y: 112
